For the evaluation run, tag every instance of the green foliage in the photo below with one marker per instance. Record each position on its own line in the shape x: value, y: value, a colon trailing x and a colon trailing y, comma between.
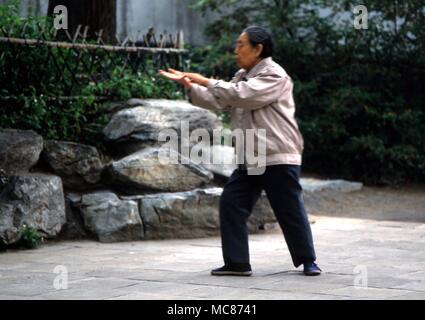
x: 34, y: 96
x: 360, y: 93
x: 29, y: 238
x: 129, y: 85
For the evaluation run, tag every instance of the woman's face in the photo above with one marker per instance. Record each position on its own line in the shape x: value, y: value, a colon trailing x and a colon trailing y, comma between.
x: 246, y: 55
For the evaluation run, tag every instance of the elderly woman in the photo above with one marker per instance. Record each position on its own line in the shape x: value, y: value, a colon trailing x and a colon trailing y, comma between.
x: 259, y: 97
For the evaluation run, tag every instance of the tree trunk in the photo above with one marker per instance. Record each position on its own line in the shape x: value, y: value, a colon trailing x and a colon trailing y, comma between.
x: 96, y: 14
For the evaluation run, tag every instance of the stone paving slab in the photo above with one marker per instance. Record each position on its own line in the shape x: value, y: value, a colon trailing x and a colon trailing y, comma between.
x: 361, y: 259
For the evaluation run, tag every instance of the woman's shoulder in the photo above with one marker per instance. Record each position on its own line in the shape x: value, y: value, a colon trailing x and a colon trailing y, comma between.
x: 274, y: 68
x: 267, y: 67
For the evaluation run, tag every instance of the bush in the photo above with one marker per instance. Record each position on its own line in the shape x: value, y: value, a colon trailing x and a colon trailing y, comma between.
x: 359, y: 93
x: 29, y: 238
x: 34, y: 96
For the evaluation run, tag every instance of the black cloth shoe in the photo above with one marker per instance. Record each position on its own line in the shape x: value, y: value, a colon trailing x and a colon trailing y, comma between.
x: 312, y: 269
x: 243, y: 270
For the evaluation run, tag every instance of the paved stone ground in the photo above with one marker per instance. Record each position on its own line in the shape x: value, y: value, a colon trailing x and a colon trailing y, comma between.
x: 388, y: 257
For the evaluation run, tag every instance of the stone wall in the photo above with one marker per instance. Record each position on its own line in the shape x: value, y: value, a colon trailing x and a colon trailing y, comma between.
x: 68, y: 190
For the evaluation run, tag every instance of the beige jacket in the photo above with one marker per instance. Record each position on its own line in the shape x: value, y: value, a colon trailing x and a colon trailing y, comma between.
x: 259, y: 99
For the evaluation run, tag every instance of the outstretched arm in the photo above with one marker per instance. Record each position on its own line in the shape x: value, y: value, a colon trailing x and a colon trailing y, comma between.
x: 255, y: 93
x: 199, y: 95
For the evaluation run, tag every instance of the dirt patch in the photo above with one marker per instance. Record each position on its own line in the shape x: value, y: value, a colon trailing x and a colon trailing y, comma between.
x: 406, y: 203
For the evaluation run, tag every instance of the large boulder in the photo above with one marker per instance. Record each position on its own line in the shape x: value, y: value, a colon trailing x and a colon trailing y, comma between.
x: 19, y: 150
x: 192, y: 214
x: 113, y: 107
x: 221, y: 160
x: 110, y: 219
x: 135, y: 128
x: 80, y: 166
x: 143, y: 170
x: 36, y: 201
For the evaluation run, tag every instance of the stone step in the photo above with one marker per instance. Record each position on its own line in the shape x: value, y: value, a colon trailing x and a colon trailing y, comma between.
x: 189, y: 214
x: 317, y: 185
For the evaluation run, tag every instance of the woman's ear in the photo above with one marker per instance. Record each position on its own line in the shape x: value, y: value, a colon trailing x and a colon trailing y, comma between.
x: 259, y: 49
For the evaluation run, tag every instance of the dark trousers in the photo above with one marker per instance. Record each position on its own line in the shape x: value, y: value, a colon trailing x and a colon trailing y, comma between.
x: 285, y: 194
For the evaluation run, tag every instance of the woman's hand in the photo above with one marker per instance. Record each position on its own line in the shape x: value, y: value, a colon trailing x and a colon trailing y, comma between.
x: 193, y: 77
x: 198, y: 78
x: 177, y: 76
